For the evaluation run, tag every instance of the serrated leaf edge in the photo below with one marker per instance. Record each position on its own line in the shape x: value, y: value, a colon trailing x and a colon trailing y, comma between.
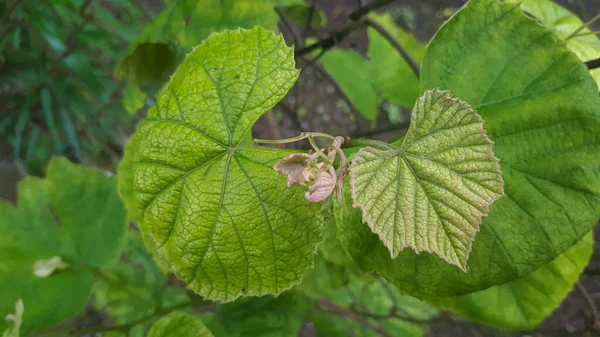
x: 371, y: 224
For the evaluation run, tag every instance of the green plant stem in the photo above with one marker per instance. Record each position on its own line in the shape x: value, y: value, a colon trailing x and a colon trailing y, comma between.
x: 302, y: 136
x: 595, y: 32
x: 159, y: 312
x: 315, y: 146
x: 369, y: 142
x: 399, y: 47
x: 585, y: 25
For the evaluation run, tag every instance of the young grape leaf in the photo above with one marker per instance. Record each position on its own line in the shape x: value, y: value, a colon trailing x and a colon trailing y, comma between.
x: 564, y: 23
x: 524, y: 303
x: 431, y: 193
x: 218, y: 213
x: 179, y: 324
x: 75, y: 214
x: 541, y: 109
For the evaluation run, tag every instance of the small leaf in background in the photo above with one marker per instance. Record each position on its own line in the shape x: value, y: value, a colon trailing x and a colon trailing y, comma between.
x: 265, y: 316
x: 73, y: 213
x: 300, y: 13
x: 182, y: 25
x: 384, y: 73
x: 134, y: 99
x: 17, y: 320
x: 179, y: 324
x: 393, y: 78
x: 524, y: 303
x: 45, y: 267
x: 240, y: 236
x: 354, y: 75
x: 431, y: 193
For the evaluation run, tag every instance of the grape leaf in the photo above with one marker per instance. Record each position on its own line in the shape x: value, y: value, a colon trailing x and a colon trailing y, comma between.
x: 431, y: 193
x: 179, y: 324
x: 525, y: 302
x: 564, y: 23
x: 74, y: 213
x: 541, y: 109
x: 217, y: 212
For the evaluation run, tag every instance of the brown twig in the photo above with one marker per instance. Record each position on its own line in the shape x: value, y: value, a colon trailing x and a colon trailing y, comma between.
x: 337, y: 36
x: 593, y: 64
x: 399, y: 47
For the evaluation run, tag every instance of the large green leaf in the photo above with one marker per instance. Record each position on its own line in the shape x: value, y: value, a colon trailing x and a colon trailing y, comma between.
x: 218, y: 213
x: 564, y: 23
x: 75, y: 214
x: 527, y: 301
x: 542, y: 111
x: 430, y: 193
x: 179, y: 324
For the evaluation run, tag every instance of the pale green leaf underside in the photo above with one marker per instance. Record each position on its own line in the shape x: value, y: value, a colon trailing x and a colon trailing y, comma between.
x: 431, y: 193
x: 542, y: 110
x: 524, y: 303
x: 218, y: 213
x: 179, y: 324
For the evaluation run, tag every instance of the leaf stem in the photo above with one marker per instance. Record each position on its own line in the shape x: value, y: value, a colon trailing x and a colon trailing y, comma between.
x: 302, y: 136
x: 315, y: 146
x: 595, y: 32
x: 583, y: 26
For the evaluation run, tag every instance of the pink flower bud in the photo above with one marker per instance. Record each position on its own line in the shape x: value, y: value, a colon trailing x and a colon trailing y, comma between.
x: 323, y: 186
